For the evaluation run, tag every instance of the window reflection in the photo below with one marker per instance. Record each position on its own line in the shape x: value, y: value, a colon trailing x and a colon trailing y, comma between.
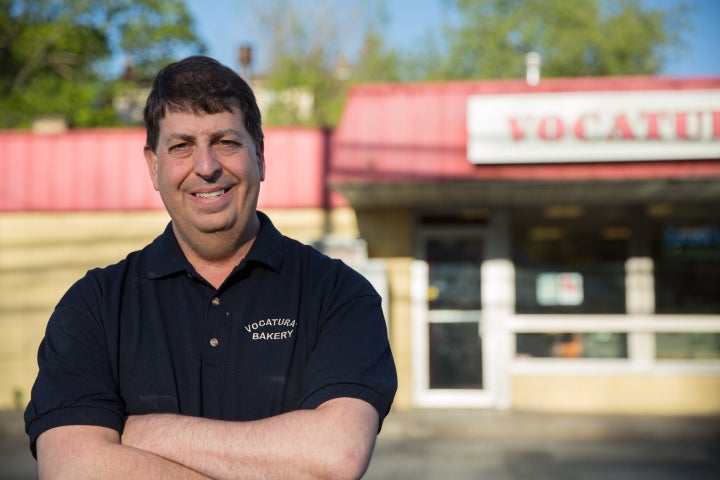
x: 572, y: 345
x: 455, y: 356
x: 454, y: 269
x: 549, y: 251
x: 687, y: 268
x: 687, y: 346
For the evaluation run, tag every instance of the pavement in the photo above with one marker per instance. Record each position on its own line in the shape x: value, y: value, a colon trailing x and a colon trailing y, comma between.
x: 513, y: 445
x: 503, y: 445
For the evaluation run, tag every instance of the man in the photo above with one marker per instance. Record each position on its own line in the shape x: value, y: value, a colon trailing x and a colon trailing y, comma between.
x: 222, y: 349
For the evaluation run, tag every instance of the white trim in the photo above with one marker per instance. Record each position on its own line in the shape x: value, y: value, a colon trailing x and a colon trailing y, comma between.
x: 641, y: 350
x: 639, y: 285
x: 619, y: 367
x: 419, y: 275
x: 454, y: 316
x: 527, y: 323
x: 686, y: 367
x: 440, y: 398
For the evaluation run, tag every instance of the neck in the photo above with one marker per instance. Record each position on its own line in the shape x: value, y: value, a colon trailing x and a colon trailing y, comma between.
x: 215, y: 255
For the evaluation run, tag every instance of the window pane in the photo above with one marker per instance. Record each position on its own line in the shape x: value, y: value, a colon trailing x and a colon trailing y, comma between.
x: 602, y: 289
x: 570, y: 265
x: 682, y: 346
x: 571, y: 345
x: 687, y: 268
x: 455, y: 356
x: 454, y: 269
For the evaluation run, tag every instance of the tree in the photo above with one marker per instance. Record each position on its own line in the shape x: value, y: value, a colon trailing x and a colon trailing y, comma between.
x: 57, y: 56
x: 376, y: 62
x: 574, y: 38
x: 316, y: 50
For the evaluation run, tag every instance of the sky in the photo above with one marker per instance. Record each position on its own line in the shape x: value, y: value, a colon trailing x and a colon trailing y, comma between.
x: 225, y: 25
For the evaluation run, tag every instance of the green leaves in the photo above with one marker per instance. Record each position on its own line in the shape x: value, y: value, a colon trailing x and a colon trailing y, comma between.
x: 575, y: 38
x: 56, y: 56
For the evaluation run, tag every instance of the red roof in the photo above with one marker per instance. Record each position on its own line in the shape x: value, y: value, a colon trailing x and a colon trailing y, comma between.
x: 104, y: 169
x: 389, y: 133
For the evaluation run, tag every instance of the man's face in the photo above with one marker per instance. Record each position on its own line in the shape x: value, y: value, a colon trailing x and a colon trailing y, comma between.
x: 208, y: 170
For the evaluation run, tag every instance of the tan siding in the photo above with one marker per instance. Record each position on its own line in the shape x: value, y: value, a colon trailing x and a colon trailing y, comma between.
x: 41, y: 256
x: 628, y: 394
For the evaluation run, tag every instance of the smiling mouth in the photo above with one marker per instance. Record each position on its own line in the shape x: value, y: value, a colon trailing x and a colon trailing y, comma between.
x: 214, y: 194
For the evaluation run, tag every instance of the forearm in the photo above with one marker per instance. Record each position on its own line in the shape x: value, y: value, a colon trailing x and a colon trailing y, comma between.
x: 332, y: 441
x: 85, y: 452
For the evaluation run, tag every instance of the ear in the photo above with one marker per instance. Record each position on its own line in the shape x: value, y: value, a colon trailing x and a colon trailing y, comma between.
x: 152, y: 163
x: 260, y: 156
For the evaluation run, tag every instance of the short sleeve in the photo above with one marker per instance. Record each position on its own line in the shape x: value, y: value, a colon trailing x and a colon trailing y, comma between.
x: 352, y: 357
x: 75, y: 383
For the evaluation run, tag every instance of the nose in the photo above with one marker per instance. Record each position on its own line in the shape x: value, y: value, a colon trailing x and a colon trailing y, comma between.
x: 206, y: 164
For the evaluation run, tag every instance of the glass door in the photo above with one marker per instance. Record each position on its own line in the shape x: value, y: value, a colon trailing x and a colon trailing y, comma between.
x: 450, y: 361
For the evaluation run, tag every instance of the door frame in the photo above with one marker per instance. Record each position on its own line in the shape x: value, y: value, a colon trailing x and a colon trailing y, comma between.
x: 423, y: 395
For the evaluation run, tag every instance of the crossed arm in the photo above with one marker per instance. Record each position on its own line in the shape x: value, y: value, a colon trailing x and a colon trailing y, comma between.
x: 335, y: 440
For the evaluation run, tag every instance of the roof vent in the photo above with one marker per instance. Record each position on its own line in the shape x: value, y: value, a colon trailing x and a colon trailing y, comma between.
x: 532, y: 68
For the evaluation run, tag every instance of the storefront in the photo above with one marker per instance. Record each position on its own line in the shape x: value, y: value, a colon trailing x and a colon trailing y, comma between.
x: 554, y: 247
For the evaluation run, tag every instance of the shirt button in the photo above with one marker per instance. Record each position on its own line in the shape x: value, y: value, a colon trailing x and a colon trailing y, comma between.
x: 216, y: 301
x: 214, y: 342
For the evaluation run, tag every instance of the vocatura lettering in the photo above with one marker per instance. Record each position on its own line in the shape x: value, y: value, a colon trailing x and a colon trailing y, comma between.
x: 270, y: 322
x: 690, y: 126
x: 271, y: 329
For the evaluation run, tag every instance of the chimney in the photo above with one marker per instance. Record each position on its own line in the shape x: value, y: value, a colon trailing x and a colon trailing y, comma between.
x: 245, y: 59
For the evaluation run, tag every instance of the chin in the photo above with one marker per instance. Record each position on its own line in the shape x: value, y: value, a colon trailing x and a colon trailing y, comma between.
x: 214, y: 228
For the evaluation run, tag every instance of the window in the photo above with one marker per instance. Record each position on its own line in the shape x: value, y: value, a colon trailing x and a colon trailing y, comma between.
x: 455, y: 355
x: 454, y: 268
x: 569, y: 260
x: 687, y: 346
x: 571, y: 345
x: 687, y: 267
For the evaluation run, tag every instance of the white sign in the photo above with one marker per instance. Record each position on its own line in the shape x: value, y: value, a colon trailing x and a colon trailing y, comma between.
x: 564, y: 289
x: 594, y: 126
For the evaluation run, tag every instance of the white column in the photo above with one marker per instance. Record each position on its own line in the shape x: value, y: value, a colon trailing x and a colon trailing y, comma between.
x: 498, y: 306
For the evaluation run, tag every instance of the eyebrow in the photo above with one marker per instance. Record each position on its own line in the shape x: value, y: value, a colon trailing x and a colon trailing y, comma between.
x: 178, y: 136
x: 230, y: 131
x: 214, y: 136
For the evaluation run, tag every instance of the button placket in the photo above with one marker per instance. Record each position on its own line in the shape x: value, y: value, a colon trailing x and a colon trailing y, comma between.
x: 216, y: 347
x: 214, y: 314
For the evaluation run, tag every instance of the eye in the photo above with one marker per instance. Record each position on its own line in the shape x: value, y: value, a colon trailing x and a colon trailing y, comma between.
x: 228, y: 145
x: 179, y: 149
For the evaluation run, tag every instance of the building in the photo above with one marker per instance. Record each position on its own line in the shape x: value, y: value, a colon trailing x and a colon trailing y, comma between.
x: 552, y: 247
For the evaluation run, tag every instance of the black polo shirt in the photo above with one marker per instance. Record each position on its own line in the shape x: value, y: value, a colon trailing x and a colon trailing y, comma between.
x: 289, y: 329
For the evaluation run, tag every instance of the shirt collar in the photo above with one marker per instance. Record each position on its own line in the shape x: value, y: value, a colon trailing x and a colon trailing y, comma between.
x: 268, y: 246
x: 165, y: 257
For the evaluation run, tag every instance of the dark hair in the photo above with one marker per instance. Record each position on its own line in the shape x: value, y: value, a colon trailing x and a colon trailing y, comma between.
x: 199, y: 84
